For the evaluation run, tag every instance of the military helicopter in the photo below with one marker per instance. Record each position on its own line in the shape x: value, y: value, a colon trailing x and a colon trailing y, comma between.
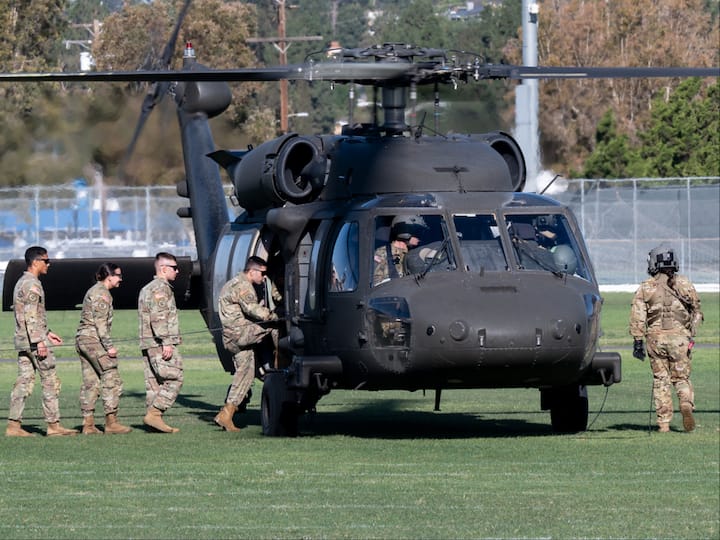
x: 499, y: 291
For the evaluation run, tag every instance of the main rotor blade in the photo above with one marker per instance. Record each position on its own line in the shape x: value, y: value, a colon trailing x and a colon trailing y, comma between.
x: 369, y: 73
x: 523, y: 72
x: 325, y: 71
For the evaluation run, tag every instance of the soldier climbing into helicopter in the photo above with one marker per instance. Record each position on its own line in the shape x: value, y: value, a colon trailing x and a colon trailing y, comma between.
x: 242, y: 314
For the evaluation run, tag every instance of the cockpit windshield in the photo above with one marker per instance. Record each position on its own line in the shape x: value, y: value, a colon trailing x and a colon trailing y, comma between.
x: 480, y: 244
x: 410, y: 244
x: 546, y: 242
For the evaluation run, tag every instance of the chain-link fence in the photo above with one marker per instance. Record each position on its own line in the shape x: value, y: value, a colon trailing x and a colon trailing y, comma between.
x: 622, y: 221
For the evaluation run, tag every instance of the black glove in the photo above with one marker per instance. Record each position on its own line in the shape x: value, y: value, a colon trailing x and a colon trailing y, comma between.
x: 639, y: 349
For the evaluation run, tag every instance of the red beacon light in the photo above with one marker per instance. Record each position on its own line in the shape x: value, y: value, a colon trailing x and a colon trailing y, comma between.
x: 189, y: 50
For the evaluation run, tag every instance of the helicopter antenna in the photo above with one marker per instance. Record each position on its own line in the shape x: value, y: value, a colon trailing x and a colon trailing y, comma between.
x: 436, y: 107
x: 419, y: 130
x: 351, y: 103
x: 550, y: 183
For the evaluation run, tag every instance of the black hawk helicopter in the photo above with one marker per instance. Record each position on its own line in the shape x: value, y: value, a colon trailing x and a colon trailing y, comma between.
x: 499, y: 291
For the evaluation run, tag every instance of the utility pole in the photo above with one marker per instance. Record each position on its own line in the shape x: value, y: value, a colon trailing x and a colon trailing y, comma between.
x: 282, y: 43
x: 527, y: 97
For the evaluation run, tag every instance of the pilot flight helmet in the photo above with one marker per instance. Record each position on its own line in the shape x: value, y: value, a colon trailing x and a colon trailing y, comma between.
x: 405, y: 227
x: 565, y: 259
x: 662, y: 258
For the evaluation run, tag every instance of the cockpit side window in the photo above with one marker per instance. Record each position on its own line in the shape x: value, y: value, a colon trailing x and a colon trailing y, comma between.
x: 409, y: 243
x: 480, y: 244
x: 546, y: 242
x: 345, y: 267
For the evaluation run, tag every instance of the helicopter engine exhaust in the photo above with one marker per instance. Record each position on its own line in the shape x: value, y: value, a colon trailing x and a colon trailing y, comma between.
x: 509, y: 149
x: 287, y: 169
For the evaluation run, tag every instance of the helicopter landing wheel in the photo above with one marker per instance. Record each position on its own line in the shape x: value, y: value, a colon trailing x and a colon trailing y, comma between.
x: 569, y: 409
x: 278, y: 410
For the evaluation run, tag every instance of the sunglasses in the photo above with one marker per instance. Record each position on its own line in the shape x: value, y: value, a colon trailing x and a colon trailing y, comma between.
x: 118, y: 274
x: 46, y: 261
x: 173, y: 266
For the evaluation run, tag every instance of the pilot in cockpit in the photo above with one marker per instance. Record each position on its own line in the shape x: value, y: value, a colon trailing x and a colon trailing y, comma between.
x: 389, y: 260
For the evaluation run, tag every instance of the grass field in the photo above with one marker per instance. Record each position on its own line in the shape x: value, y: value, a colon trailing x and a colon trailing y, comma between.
x: 368, y: 465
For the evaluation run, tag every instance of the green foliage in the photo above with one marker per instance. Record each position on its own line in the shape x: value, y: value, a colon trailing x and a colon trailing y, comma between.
x: 613, y: 156
x: 682, y: 138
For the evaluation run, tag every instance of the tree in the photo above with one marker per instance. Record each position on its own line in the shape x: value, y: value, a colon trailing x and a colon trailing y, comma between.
x: 613, y: 156
x: 618, y: 33
x: 29, y: 41
x: 135, y: 38
x: 683, y: 135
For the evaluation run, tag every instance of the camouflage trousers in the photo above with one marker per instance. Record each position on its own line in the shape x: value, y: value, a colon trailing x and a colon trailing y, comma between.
x: 243, y: 377
x: 100, y: 377
x: 28, y: 364
x: 163, y: 378
x: 671, y: 364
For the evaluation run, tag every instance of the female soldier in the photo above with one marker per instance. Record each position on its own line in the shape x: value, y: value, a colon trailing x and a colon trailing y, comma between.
x: 98, y: 356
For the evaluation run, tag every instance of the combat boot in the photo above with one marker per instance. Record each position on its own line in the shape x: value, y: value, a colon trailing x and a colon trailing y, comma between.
x: 664, y: 427
x: 54, y: 429
x: 89, y: 427
x: 687, y: 414
x: 224, y: 418
x: 112, y: 426
x: 14, y: 429
x: 153, y: 418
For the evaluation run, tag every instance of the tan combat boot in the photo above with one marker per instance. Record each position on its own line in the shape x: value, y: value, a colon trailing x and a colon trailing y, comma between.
x: 54, y: 429
x: 663, y: 427
x: 224, y: 418
x: 153, y: 418
x: 89, y: 427
x: 687, y: 413
x: 14, y: 429
x: 112, y: 426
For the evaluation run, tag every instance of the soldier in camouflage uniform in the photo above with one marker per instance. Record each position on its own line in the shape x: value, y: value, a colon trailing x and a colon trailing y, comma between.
x: 34, y: 341
x: 666, y: 312
x: 98, y: 355
x: 389, y: 260
x: 159, y: 338
x: 240, y: 310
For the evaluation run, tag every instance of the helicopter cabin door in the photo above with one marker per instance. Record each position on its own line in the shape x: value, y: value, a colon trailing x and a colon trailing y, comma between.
x: 343, y: 294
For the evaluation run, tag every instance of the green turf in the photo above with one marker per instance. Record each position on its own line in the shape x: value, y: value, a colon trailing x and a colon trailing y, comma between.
x: 368, y: 465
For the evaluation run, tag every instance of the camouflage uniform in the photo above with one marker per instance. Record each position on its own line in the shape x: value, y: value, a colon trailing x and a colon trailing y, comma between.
x: 159, y: 327
x: 668, y: 318
x: 239, y: 310
x: 92, y: 341
x: 30, y: 329
x: 382, y: 264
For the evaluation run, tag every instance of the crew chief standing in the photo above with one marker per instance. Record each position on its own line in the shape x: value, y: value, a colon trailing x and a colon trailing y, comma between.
x: 666, y: 311
x: 159, y: 338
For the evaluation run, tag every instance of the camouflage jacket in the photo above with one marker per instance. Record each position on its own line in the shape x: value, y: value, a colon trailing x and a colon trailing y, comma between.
x: 657, y: 307
x: 158, y: 315
x: 97, y: 315
x: 238, y: 303
x: 30, y: 316
x: 239, y: 309
x: 382, y: 264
